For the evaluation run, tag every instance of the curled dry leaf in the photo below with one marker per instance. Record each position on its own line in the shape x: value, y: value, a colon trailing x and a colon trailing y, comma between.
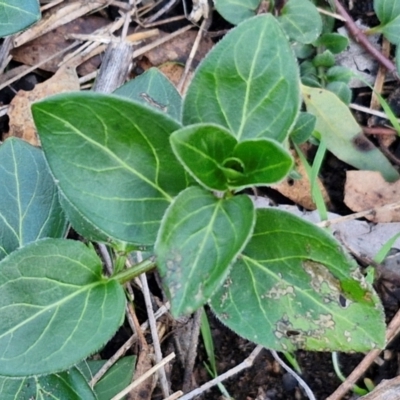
x: 299, y: 191
x: 365, y: 190
x: 21, y: 121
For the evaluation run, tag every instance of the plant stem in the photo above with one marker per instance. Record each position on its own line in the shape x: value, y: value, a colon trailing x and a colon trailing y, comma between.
x: 128, y: 274
x: 361, y: 38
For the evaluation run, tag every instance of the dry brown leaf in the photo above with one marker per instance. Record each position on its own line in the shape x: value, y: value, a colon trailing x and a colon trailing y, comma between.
x: 178, y: 49
x: 45, y: 46
x: 299, y: 191
x: 21, y: 121
x: 365, y: 190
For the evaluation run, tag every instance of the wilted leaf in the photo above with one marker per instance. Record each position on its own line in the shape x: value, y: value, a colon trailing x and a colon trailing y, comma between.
x: 342, y: 135
x: 302, y: 291
x: 56, y: 307
x: 200, y: 237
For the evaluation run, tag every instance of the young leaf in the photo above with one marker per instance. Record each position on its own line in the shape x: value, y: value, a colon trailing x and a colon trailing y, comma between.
x: 341, y: 90
x: 237, y: 11
x: 202, y: 149
x: 294, y: 288
x: 264, y: 161
x: 66, y: 385
x: 248, y: 83
x: 16, y: 15
x: 342, y: 134
x: 153, y: 89
x: 112, y: 160
x: 303, y: 128
x: 29, y: 207
x: 199, y: 238
x: 301, y: 21
x: 334, y: 42
x: 56, y: 307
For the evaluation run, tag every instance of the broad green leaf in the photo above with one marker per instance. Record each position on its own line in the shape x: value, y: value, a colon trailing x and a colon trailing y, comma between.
x: 237, y: 11
x: 264, y: 161
x: 66, y: 385
x: 202, y: 149
x: 334, y: 42
x: 325, y: 59
x: 29, y: 207
x: 301, y: 21
x: 294, y: 288
x: 200, y: 237
x: 112, y: 160
x: 303, y: 128
x: 153, y: 89
x: 339, y: 73
x: 248, y: 83
x: 56, y: 307
x: 117, y: 378
x: 387, y: 10
x: 342, y: 135
x: 16, y: 15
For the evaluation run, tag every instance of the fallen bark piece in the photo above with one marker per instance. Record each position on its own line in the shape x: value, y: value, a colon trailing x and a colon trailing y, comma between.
x: 367, y: 189
x: 21, y: 121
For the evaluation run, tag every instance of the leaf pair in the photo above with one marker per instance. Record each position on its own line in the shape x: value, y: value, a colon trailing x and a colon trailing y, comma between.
x: 213, y: 156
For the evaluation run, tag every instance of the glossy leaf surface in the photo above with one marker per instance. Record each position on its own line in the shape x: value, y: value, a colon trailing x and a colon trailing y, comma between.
x: 342, y: 134
x: 29, y: 206
x: 301, y: 21
x: 294, y: 288
x: 153, y: 89
x: 56, y: 307
x: 16, y: 15
x: 66, y: 385
x: 248, y: 83
x: 199, y: 239
x: 112, y: 161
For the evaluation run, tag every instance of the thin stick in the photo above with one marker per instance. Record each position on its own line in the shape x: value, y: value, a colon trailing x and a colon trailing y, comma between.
x: 361, y: 214
x: 368, y: 110
x: 15, y: 78
x: 146, y: 375
x: 248, y: 362
x: 304, y: 385
x: 191, y: 57
x: 153, y: 330
x: 391, y: 332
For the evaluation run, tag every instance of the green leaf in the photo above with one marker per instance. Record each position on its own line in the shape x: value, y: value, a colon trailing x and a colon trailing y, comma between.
x: 325, y: 59
x: 112, y: 160
x: 303, y: 128
x: 341, y: 90
x: 16, y: 15
x: 342, y: 135
x: 265, y: 161
x: 56, y: 307
x: 294, y: 288
x: 392, y: 30
x: 248, y: 83
x: 334, y: 42
x: 386, y: 10
x: 301, y: 21
x: 66, y: 385
x: 202, y: 149
x: 338, y: 73
x: 117, y: 378
x: 200, y: 237
x: 236, y: 11
x: 153, y: 89
x: 29, y: 207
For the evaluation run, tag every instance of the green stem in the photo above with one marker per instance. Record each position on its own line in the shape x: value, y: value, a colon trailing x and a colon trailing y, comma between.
x: 128, y: 274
